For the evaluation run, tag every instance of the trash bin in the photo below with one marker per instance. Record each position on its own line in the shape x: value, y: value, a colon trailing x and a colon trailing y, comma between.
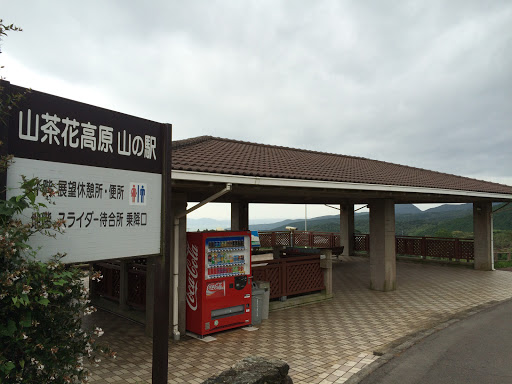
x: 257, y: 304
x: 265, y: 285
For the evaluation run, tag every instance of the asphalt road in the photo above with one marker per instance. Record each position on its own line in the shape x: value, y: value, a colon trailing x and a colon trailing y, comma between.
x: 477, y: 349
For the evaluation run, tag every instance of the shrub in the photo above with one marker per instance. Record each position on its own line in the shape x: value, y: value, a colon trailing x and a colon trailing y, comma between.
x: 41, y: 303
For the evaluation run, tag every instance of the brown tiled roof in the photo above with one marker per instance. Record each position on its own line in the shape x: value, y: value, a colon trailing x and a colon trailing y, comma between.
x: 216, y: 155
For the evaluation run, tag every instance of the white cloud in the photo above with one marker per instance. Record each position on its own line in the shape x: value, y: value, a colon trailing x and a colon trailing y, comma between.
x: 426, y: 84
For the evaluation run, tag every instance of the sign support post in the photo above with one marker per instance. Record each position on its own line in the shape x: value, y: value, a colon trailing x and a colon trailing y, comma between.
x: 162, y: 271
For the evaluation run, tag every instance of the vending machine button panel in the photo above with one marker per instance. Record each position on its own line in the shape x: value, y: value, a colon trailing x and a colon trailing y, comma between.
x: 240, y: 282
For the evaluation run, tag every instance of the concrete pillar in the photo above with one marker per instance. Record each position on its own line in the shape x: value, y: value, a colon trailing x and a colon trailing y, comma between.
x: 150, y: 298
x: 482, y: 228
x: 179, y: 205
x: 382, y: 245
x: 347, y: 228
x: 240, y: 216
x: 326, y: 265
x: 123, y: 285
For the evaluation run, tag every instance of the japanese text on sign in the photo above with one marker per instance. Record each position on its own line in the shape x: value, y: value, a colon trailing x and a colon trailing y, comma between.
x: 66, y: 132
x: 101, y: 220
x: 86, y: 190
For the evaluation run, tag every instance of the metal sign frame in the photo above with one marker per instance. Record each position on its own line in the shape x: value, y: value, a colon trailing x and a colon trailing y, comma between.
x: 106, y: 167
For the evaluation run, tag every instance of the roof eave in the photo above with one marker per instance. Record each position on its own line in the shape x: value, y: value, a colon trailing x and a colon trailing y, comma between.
x: 297, y: 183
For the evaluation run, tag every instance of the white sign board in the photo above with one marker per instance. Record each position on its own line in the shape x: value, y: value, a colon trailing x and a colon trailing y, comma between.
x: 109, y: 213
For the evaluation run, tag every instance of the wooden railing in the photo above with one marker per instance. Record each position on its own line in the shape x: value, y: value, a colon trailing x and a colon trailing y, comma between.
x: 425, y: 247
x: 294, y: 275
x: 137, y: 285
x: 110, y: 285
x: 502, y: 254
x: 362, y: 243
x: 299, y: 239
x: 291, y: 276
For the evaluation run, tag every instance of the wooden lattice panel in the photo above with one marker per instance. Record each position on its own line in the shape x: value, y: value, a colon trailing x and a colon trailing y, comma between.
x: 337, y: 240
x: 304, y: 277
x: 100, y: 287
x: 321, y: 241
x: 282, y: 238
x: 467, y: 250
x: 137, y: 288
x: 109, y: 285
x: 408, y: 246
x: 400, y: 246
x: 301, y: 239
x: 440, y: 248
x: 265, y: 239
x: 116, y: 282
x: 360, y: 243
x: 270, y: 273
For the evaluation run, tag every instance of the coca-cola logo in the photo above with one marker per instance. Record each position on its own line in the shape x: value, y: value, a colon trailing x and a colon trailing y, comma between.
x: 192, y: 273
x: 215, y: 287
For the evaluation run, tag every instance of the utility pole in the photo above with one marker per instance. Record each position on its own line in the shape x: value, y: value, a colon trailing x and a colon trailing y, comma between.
x: 305, y: 217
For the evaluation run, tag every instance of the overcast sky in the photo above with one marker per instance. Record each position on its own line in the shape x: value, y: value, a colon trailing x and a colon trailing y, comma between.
x: 420, y: 83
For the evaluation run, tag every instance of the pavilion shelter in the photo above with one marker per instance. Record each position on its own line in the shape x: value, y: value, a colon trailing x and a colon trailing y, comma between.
x: 236, y: 172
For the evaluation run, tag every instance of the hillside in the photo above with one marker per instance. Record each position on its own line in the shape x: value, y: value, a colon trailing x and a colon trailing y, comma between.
x: 439, y: 221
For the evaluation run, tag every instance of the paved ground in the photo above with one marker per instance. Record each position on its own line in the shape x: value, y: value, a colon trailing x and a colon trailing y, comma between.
x: 475, y: 350
x: 323, y: 343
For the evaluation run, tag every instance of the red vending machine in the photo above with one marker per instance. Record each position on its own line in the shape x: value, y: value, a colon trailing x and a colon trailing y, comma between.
x: 218, y: 281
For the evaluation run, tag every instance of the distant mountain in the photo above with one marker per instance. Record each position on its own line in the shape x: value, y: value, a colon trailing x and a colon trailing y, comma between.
x: 271, y: 226
x: 205, y: 223
x: 403, y: 209
x: 450, y: 207
x: 409, y: 220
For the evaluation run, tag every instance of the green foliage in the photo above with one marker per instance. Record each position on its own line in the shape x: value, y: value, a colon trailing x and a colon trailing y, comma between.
x: 502, y: 239
x: 443, y: 233
x: 42, y: 304
x: 439, y: 223
x: 503, y: 264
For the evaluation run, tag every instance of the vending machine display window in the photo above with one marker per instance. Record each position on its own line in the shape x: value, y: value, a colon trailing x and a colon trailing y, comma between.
x: 225, y: 257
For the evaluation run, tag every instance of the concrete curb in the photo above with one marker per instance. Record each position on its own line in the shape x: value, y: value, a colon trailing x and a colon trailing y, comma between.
x: 394, y: 349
